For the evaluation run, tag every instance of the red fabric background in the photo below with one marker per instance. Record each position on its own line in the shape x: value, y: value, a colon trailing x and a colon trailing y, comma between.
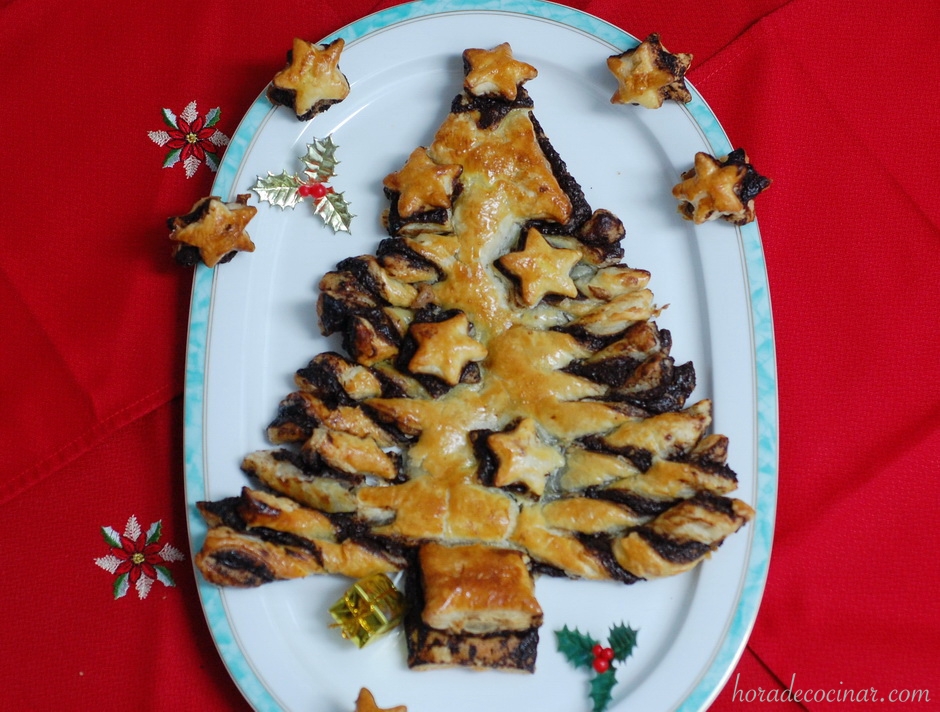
x: 833, y: 100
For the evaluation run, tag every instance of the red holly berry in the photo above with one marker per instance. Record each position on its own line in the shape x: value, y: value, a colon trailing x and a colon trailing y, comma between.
x: 313, y: 190
x: 602, y: 658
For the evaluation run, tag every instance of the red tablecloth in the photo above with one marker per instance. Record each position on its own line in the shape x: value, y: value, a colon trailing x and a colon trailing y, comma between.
x: 834, y: 100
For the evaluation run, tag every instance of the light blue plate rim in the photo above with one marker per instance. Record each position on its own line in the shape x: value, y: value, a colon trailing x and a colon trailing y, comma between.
x: 732, y: 647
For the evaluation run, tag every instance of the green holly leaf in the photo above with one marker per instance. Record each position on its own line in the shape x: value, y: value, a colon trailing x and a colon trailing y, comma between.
x: 172, y: 158
x: 334, y: 210
x: 575, y: 646
x: 121, y: 586
x: 153, y: 534
x: 601, y: 689
x: 280, y: 189
x: 320, y: 160
x: 623, y: 640
x: 212, y: 118
x: 169, y: 118
x: 111, y: 536
x: 164, y: 576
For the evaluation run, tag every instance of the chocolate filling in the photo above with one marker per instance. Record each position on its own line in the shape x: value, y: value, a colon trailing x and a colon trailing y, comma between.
x: 321, y: 374
x: 493, y: 109
x: 642, y: 459
x: 241, y: 569
x: 293, y: 423
x: 396, y: 247
x: 752, y: 183
x: 600, y: 547
x: 643, y: 506
x: 678, y: 552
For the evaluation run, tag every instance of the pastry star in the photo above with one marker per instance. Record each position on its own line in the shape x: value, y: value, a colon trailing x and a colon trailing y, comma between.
x: 445, y: 348
x: 423, y: 184
x: 523, y: 458
x: 312, y: 78
x: 494, y: 71
x: 366, y: 703
x: 719, y: 188
x: 215, y: 228
x: 648, y: 74
x: 541, y: 268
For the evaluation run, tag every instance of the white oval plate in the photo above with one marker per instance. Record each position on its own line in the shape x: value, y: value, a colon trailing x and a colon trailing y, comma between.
x: 253, y: 323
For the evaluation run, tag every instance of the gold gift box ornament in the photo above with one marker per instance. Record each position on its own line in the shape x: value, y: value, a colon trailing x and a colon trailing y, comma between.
x: 370, y: 608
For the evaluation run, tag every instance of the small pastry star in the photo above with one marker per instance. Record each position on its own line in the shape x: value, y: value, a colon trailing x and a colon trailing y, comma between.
x: 422, y: 184
x: 311, y: 82
x: 215, y: 228
x: 445, y: 348
x: 366, y: 703
x: 495, y: 72
x: 648, y: 74
x: 541, y: 268
x: 524, y: 459
x: 719, y: 188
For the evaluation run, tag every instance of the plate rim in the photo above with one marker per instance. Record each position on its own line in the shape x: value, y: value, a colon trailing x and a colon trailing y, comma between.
x: 731, y: 648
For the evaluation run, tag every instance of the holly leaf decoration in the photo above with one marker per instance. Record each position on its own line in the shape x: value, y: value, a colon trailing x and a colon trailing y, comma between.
x: 111, y: 536
x: 286, y: 190
x: 164, y: 576
x: 121, y: 586
x: 623, y: 640
x: 172, y: 158
x: 602, y: 687
x: 333, y: 209
x: 583, y: 651
x: 320, y: 160
x: 154, y: 532
x: 576, y: 647
x: 280, y: 190
x: 169, y: 118
x: 212, y: 118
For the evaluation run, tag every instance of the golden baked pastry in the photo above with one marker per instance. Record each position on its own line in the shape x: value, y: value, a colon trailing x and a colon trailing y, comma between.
x: 505, y: 406
x: 720, y: 188
x: 444, y: 348
x: 213, y: 231
x: 477, y: 589
x: 648, y: 74
x: 366, y: 703
x: 541, y: 269
x: 524, y: 461
x: 311, y: 82
x: 471, y: 605
x: 257, y: 537
x: 422, y: 185
x: 495, y: 72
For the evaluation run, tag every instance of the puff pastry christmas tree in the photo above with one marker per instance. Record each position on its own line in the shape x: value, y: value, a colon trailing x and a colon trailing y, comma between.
x: 504, y: 400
